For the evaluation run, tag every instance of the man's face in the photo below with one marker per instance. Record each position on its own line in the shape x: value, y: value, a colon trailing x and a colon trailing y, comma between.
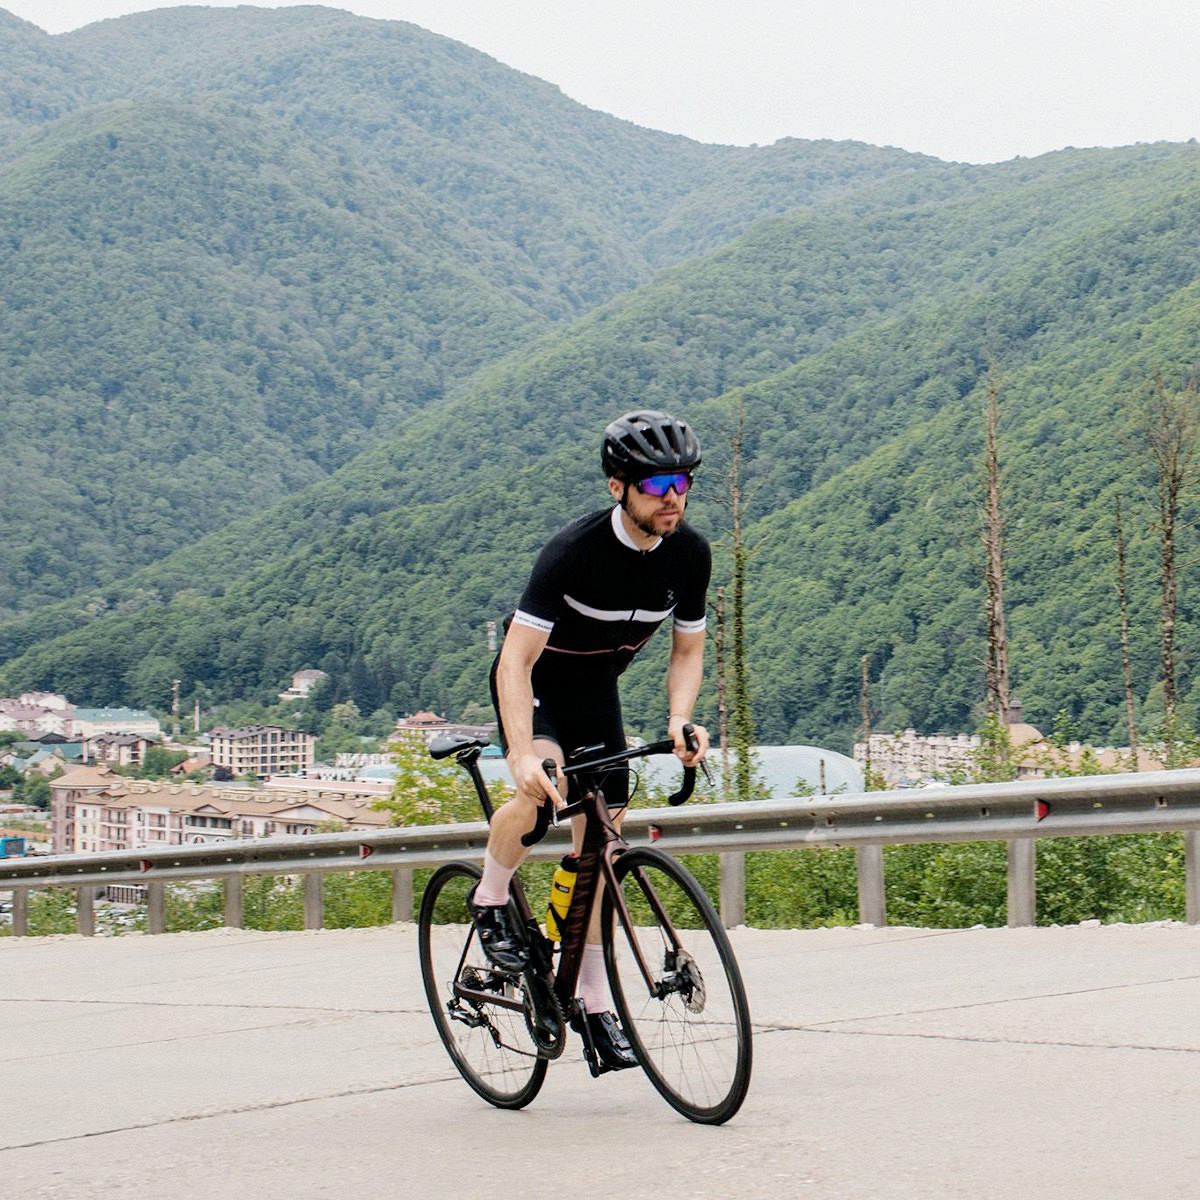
x: 659, y: 516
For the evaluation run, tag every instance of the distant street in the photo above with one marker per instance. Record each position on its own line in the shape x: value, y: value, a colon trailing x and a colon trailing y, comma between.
x: 890, y: 1064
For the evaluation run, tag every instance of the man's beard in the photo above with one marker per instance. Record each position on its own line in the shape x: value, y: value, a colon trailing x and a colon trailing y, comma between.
x: 649, y: 529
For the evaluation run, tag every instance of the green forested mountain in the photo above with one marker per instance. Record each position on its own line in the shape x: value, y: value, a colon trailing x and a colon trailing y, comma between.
x: 238, y: 245
x: 346, y: 306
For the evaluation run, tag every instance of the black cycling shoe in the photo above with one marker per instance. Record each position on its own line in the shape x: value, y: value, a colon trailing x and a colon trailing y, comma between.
x: 499, y: 937
x: 609, y: 1041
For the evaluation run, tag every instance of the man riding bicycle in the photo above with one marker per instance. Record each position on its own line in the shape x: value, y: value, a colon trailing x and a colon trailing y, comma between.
x: 597, y: 592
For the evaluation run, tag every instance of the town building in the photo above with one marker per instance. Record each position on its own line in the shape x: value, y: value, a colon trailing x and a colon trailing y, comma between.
x: 93, y: 809
x: 422, y: 727
x: 907, y: 758
x: 91, y: 722
x: 303, y: 683
x: 261, y: 750
x: 118, y: 749
x: 30, y: 715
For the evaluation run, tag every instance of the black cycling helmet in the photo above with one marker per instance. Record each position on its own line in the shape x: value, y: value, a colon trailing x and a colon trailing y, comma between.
x: 646, y: 442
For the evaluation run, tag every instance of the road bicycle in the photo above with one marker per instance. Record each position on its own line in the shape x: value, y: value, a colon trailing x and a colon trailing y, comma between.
x: 674, y: 979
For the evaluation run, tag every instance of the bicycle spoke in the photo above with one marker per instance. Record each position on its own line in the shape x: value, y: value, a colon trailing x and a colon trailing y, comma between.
x: 690, y: 1024
x: 478, y: 1011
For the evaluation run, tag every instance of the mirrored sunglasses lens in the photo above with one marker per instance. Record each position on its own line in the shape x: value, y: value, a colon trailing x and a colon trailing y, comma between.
x: 660, y: 485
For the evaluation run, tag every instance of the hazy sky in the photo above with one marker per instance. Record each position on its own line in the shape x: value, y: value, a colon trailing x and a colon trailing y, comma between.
x: 972, y: 80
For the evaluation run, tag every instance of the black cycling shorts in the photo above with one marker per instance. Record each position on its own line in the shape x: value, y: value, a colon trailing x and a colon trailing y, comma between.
x: 585, y: 723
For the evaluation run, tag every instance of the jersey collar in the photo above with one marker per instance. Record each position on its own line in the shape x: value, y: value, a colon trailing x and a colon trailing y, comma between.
x: 618, y: 527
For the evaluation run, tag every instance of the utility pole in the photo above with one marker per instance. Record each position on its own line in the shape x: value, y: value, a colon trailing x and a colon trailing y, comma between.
x: 175, y: 710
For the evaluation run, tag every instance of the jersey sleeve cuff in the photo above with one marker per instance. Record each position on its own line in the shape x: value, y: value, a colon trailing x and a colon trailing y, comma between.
x: 532, y: 622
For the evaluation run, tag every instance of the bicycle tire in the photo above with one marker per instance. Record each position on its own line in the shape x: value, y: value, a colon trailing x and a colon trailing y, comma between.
x: 693, y: 1038
x: 489, y: 1043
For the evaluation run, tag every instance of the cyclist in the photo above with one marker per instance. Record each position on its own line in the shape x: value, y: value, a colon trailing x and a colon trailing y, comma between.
x: 597, y: 592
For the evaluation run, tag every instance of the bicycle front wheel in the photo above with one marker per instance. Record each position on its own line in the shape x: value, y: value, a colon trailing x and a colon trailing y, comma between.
x: 677, y: 987
x: 481, y: 1014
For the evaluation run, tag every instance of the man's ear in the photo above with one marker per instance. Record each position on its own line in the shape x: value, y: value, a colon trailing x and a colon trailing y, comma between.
x: 616, y: 488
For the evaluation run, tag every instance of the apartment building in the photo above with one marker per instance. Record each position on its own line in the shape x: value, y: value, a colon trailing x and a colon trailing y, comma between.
x: 262, y: 750
x: 908, y: 756
x: 95, y: 722
x: 93, y: 809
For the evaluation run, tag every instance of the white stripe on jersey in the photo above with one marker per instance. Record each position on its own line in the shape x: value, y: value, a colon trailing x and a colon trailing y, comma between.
x: 624, y: 614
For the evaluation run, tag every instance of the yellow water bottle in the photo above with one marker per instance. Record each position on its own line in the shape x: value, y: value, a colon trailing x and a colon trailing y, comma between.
x: 561, y: 887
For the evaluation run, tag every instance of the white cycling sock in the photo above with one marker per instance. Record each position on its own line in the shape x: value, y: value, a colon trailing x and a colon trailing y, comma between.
x: 593, y: 980
x: 492, y: 889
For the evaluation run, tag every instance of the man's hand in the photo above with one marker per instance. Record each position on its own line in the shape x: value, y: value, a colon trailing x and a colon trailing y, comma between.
x: 688, y: 757
x: 532, y: 783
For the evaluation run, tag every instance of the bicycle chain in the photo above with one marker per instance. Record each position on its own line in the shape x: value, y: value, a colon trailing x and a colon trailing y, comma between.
x: 537, y: 1006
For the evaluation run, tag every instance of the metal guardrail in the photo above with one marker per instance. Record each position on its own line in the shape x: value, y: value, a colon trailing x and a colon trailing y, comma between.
x: 1016, y: 813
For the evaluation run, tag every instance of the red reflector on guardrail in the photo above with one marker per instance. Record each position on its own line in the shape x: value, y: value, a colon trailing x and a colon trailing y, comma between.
x: 655, y: 833
x: 1041, y: 810
x: 145, y: 865
x: 365, y: 851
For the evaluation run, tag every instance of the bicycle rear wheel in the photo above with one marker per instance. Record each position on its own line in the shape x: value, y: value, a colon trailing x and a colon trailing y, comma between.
x: 690, y: 1023
x: 480, y: 1013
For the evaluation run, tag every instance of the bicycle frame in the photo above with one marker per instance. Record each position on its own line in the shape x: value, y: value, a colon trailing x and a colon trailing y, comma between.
x: 602, y: 843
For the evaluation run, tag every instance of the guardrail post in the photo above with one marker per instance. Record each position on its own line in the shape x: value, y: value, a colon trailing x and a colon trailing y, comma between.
x: 1022, y: 882
x: 872, y: 903
x: 402, y: 894
x: 20, y: 912
x: 1191, y: 875
x: 85, y: 914
x: 156, y: 908
x: 733, y: 888
x: 235, y: 902
x: 314, y: 900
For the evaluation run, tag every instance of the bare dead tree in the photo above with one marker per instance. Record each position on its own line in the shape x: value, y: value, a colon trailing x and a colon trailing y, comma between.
x: 864, y: 700
x: 733, y: 673
x: 722, y: 689
x: 998, y: 694
x: 1126, y: 669
x: 743, y: 715
x: 1170, y: 423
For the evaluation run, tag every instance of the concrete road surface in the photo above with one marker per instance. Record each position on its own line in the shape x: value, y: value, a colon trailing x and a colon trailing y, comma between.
x: 890, y: 1063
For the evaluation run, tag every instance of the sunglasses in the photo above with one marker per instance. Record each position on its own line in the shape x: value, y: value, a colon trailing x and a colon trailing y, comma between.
x: 660, y: 485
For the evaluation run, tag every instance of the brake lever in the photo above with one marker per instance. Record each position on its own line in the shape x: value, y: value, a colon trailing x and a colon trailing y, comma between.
x: 546, y: 813
x: 692, y: 741
x: 551, y: 769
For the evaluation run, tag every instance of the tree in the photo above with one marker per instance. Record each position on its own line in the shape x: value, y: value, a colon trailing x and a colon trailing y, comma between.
x: 36, y: 791
x: 998, y: 696
x: 1169, y: 422
x: 158, y: 762
x: 427, y: 792
x: 734, y: 688
x: 1126, y: 669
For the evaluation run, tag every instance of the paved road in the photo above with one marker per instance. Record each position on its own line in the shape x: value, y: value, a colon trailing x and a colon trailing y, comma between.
x: 890, y: 1063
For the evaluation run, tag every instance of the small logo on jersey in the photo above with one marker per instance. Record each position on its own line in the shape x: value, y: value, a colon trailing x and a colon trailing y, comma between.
x: 670, y: 598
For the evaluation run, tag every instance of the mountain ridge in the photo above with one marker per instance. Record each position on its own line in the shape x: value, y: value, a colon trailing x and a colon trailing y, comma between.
x: 851, y: 299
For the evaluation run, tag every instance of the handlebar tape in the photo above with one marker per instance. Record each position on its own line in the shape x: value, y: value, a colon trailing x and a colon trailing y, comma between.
x: 544, y: 813
x: 685, y: 789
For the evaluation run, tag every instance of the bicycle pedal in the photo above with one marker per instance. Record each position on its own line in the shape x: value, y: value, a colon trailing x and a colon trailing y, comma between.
x: 590, y: 1056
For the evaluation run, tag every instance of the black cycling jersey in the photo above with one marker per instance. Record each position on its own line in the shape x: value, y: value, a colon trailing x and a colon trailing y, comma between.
x: 600, y: 598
